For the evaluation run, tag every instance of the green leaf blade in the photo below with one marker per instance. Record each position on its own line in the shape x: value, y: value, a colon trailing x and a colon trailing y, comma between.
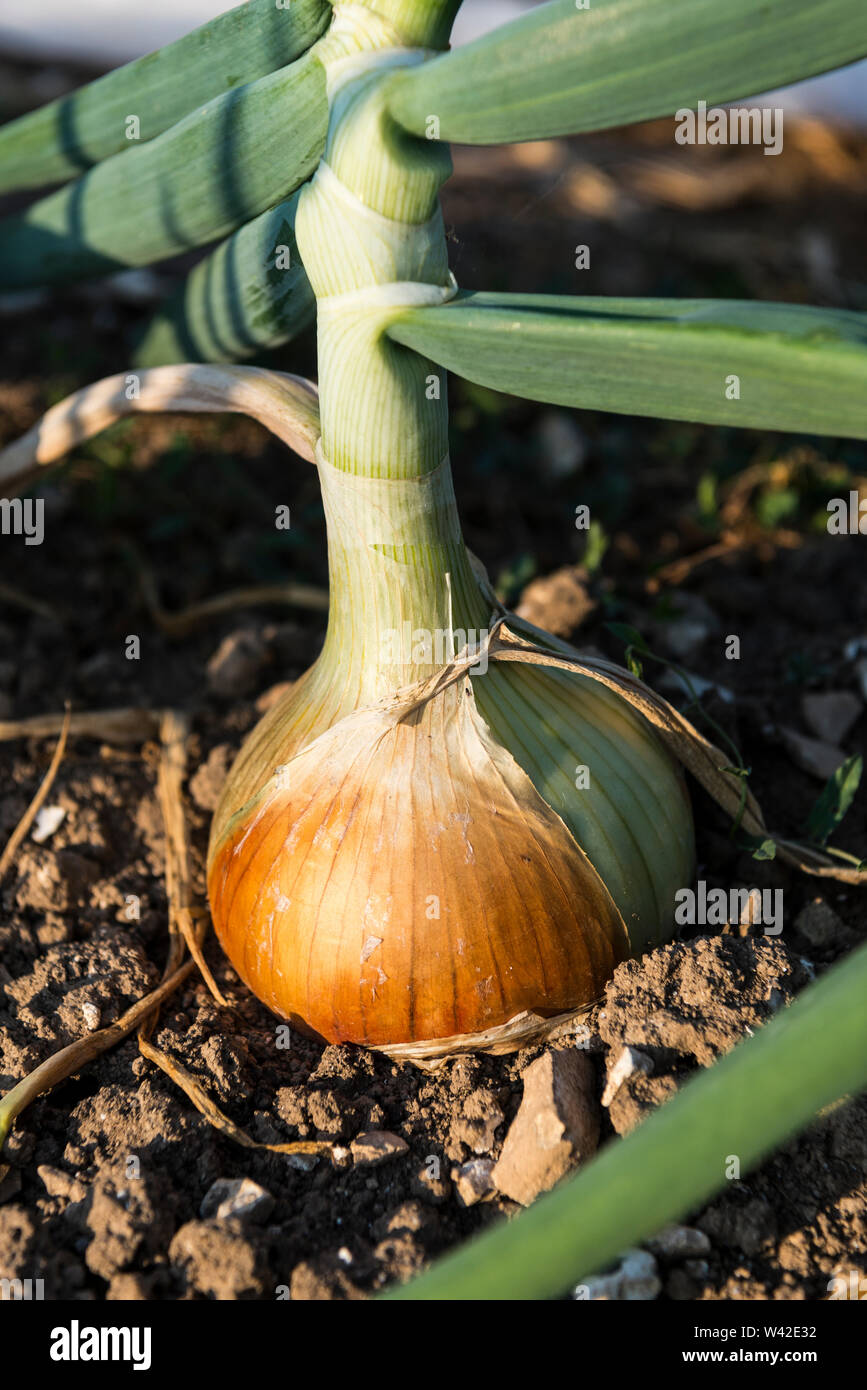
x: 238, y: 301
x: 215, y: 170
x: 834, y: 800
x: 68, y: 136
x: 798, y: 369
x: 559, y: 70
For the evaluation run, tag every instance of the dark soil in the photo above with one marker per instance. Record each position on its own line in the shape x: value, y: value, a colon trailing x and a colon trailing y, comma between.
x: 710, y: 533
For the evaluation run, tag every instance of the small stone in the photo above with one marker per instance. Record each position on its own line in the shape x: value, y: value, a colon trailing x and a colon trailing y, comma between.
x: 812, y: 755
x: 560, y: 601
x: 236, y: 665
x: 91, y: 1015
x: 820, y: 925
x: 687, y: 684
x: 474, y: 1181
x: 377, y: 1145
x: 556, y: 1127
x: 59, y: 1183
x: 562, y: 444
x: 689, y: 627
x: 634, y: 1280
x: 831, y: 715
x: 305, y: 1163
x: 478, y: 1123
x: 237, y: 1197
x: 48, y: 819
x: 629, y: 1061
x: 207, y: 782
x: 219, y: 1262
x: 684, y: 637
x: 679, y: 1243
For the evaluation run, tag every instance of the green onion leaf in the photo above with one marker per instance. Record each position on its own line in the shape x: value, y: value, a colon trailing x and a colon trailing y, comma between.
x: 249, y: 295
x: 723, y: 362
x: 217, y: 168
x: 559, y: 69
x: 834, y: 800
x: 68, y: 136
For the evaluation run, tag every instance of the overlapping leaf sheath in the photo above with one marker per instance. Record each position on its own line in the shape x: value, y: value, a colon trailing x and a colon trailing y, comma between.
x: 250, y: 294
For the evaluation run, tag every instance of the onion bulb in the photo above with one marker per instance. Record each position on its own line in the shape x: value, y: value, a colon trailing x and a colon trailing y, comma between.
x: 456, y: 864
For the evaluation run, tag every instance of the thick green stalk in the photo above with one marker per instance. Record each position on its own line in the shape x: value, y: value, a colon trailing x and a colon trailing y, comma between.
x: 371, y: 237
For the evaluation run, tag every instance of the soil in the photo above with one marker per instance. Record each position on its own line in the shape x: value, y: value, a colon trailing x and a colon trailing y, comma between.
x: 709, y: 533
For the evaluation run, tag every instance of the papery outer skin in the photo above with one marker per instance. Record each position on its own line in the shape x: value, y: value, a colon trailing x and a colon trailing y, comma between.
x: 401, y: 879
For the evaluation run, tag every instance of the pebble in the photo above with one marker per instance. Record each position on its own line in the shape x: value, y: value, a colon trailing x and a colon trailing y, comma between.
x: 688, y: 684
x: 237, y: 1197
x: 58, y: 1183
x: 474, y: 1181
x: 377, y: 1145
x: 831, y: 715
x: 821, y: 926
x: 635, y: 1280
x: 629, y: 1061
x: 561, y: 601
x: 556, y: 1127
x: 92, y: 1017
x: 812, y: 755
x: 562, y: 444
x: 477, y: 1125
x: 207, y: 781
x: 48, y: 819
x: 679, y: 1243
x: 236, y: 665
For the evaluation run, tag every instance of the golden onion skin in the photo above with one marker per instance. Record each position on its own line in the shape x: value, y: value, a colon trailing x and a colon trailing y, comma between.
x: 407, y: 884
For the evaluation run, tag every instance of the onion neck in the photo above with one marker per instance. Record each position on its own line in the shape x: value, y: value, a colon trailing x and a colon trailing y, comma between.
x: 369, y: 229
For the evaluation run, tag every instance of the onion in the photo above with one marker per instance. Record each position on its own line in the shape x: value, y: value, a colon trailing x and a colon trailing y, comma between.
x: 423, y: 870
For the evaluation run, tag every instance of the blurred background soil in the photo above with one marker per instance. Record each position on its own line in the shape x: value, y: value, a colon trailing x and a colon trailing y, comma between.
x: 698, y: 534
